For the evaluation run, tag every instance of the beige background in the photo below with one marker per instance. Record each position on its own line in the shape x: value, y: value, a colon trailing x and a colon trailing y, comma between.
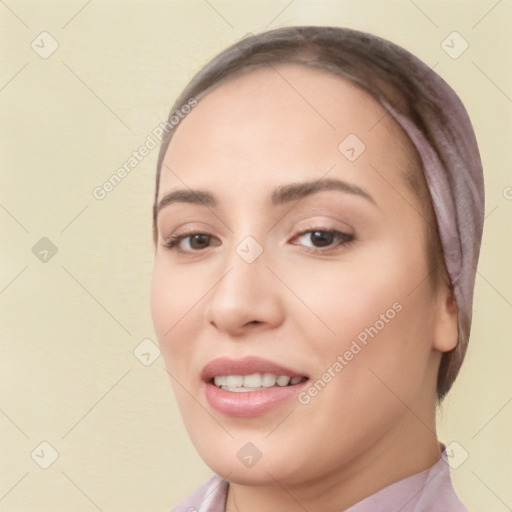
x: 68, y: 373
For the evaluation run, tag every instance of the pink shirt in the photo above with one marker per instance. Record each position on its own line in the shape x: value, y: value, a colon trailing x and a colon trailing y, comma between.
x: 428, y: 491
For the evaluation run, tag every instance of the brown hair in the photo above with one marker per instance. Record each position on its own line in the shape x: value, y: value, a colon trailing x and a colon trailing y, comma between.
x: 384, y: 70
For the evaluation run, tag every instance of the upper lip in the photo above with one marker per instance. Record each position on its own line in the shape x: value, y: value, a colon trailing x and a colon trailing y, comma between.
x: 245, y: 366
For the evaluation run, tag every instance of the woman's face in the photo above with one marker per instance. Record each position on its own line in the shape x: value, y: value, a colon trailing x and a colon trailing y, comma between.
x: 308, y: 261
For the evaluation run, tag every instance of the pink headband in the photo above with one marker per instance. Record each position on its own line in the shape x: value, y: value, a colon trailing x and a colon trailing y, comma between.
x: 454, y: 176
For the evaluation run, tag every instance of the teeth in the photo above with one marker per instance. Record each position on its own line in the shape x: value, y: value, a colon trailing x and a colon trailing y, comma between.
x: 252, y: 381
x: 234, y: 381
x: 220, y: 380
x: 283, y: 380
x: 238, y: 390
x: 241, y: 383
x: 268, y: 380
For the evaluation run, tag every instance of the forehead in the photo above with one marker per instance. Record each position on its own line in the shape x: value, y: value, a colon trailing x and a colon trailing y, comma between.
x: 274, y: 115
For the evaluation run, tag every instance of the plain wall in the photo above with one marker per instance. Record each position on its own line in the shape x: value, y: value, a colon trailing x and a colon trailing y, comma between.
x: 70, y: 325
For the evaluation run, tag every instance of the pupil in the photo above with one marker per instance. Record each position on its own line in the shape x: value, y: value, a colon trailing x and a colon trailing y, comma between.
x: 321, y: 238
x: 199, y: 241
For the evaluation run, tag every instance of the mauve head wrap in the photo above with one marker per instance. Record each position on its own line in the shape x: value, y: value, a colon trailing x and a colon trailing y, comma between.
x: 454, y: 175
x: 424, y: 105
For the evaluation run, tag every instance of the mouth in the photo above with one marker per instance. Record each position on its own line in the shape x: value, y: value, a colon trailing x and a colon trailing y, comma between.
x: 249, y: 386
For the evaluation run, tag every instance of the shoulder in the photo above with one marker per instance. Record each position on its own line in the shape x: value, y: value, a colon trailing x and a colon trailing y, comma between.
x: 438, y: 490
x: 208, y: 497
x: 428, y: 491
x: 438, y: 493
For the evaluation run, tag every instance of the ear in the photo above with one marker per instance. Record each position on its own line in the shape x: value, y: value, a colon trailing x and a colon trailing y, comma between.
x: 446, y: 328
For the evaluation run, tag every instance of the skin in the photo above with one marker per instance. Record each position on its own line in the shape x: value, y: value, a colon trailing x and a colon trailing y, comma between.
x: 374, y: 423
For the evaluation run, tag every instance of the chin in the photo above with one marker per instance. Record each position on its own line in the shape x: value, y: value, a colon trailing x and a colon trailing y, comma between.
x: 257, y: 463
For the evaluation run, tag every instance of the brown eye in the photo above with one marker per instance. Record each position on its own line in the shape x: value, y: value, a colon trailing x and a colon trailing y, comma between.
x: 199, y: 241
x: 190, y: 242
x: 323, y: 239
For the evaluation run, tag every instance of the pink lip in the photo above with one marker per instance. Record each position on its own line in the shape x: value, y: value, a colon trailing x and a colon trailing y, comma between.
x: 250, y: 403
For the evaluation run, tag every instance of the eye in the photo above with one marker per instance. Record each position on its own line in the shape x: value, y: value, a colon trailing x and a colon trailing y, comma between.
x: 190, y: 242
x: 316, y: 239
x: 323, y: 238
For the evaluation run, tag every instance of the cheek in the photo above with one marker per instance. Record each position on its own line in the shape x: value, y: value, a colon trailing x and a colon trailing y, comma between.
x: 163, y: 304
x: 380, y: 353
x: 381, y: 300
x: 174, y: 300
x: 346, y: 295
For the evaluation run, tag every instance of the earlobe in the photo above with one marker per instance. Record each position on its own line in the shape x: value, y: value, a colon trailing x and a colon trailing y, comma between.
x: 446, y: 330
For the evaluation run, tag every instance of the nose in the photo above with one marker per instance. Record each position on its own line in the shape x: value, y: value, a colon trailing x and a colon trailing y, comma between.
x: 246, y: 298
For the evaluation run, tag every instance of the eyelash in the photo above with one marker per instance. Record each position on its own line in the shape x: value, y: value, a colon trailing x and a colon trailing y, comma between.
x: 344, y: 239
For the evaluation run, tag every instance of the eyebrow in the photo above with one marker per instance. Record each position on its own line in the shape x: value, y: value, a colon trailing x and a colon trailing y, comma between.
x: 281, y: 195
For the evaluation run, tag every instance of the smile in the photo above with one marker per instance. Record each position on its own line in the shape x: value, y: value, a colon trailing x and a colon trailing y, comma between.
x: 249, y: 386
x: 254, y: 382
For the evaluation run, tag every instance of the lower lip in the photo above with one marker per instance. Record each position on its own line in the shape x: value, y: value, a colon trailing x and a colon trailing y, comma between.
x: 249, y: 403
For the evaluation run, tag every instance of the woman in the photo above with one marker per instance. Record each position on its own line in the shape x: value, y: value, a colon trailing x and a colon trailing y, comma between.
x: 317, y: 220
